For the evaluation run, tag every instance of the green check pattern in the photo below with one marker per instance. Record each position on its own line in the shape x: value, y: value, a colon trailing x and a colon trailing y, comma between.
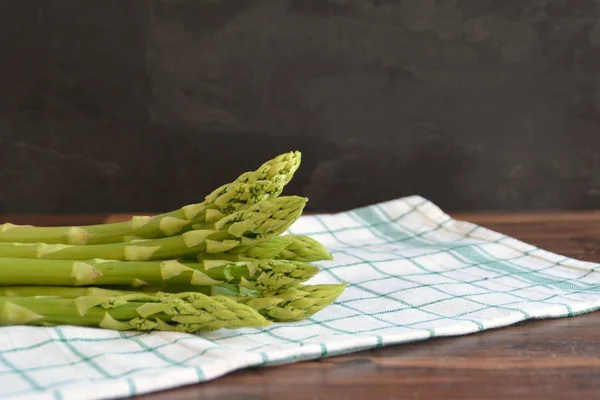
x: 413, y: 273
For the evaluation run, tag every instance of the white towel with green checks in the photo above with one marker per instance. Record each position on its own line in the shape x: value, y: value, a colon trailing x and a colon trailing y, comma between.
x: 412, y: 271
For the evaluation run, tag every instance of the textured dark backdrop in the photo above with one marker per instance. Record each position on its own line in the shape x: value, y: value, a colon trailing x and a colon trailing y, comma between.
x: 137, y: 105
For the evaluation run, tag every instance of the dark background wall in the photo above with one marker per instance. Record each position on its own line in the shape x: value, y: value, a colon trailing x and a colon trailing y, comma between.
x: 145, y: 105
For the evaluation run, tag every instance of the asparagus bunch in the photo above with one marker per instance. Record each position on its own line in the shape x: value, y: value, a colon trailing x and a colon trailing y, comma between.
x: 223, y: 263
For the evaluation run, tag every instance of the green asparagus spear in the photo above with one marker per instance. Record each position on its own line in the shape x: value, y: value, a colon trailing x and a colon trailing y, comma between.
x: 268, y: 249
x: 67, y: 292
x: 225, y: 289
x: 266, y: 183
x: 257, y: 274
x: 284, y: 305
x: 304, y: 248
x: 183, y: 312
x: 294, y: 304
x: 287, y: 247
x: 258, y: 223
x: 259, y: 250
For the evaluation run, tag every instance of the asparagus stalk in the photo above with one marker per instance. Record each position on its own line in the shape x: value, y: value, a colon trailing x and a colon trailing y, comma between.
x: 67, y: 292
x: 259, y: 250
x: 184, y: 312
x: 268, y: 249
x: 293, y: 304
x: 225, y: 289
x: 283, y: 305
x: 288, y: 247
x: 258, y: 223
x: 257, y: 274
x: 304, y: 248
x: 265, y: 183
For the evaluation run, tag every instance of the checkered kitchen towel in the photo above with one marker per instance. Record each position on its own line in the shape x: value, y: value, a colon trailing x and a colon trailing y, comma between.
x: 413, y: 273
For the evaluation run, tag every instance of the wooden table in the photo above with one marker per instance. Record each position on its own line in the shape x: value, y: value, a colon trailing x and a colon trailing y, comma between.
x: 551, y: 359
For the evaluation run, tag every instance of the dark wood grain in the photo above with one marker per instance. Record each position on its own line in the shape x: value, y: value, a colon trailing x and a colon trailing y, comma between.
x: 549, y: 359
